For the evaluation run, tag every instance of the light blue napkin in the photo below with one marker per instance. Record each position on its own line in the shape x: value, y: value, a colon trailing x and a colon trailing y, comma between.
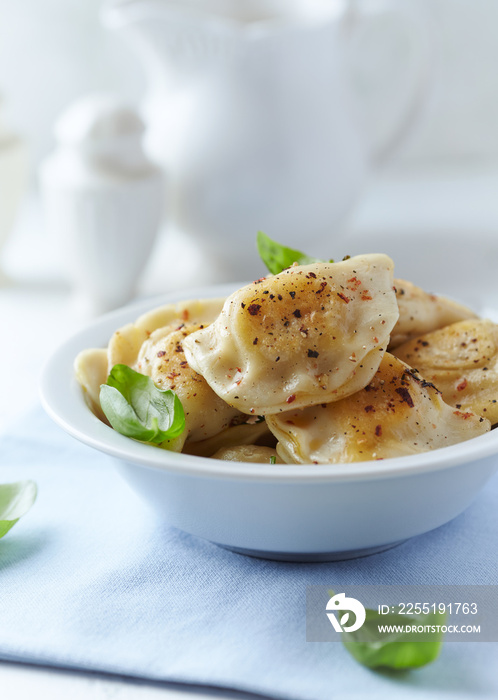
x: 91, y: 579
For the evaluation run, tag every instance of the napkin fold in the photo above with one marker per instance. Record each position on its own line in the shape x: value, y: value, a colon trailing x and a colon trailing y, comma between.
x: 91, y: 579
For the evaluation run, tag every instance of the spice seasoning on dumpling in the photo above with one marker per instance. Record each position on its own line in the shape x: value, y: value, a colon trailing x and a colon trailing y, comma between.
x: 162, y: 358
x: 326, y: 348
x: 397, y: 413
x: 462, y: 361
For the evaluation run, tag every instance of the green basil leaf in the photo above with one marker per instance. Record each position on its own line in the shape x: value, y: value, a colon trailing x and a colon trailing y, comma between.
x: 396, y: 649
x: 135, y: 407
x: 15, y: 500
x: 278, y: 257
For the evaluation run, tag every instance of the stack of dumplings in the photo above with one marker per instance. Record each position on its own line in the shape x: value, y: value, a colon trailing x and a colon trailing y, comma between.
x: 320, y: 364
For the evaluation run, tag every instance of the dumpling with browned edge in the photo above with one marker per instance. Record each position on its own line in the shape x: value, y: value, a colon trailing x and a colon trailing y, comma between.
x: 309, y: 335
x: 397, y: 413
x: 126, y: 342
x: 161, y: 357
x: 421, y: 312
x: 145, y: 346
x: 462, y: 361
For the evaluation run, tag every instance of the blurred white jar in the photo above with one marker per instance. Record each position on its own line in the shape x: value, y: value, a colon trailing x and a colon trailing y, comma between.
x: 13, y: 179
x: 103, y: 200
x: 252, y: 108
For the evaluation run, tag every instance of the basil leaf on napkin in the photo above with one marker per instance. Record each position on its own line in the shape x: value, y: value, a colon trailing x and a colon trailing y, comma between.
x: 278, y: 257
x: 396, y: 649
x: 135, y: 407
x: 15, y: 500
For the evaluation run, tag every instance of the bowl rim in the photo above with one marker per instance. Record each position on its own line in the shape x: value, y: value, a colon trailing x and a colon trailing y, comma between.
x: 63, y: 400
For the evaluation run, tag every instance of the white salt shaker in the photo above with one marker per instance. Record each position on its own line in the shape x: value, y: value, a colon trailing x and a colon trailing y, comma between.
x: 13, y: 180
x: 103, y: 200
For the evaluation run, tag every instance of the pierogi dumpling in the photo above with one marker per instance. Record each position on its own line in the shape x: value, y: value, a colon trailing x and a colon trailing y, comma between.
x: 126, y: 342
x: 248, y: 453
x: 421, y: 312
x: 90, y: 368
x: 162, y: 358
x: 462, y: 361
x: 308, y: 335
x: 397, y: 414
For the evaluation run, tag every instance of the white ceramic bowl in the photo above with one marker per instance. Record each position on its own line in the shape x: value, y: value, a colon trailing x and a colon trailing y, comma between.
x: 290, y: 512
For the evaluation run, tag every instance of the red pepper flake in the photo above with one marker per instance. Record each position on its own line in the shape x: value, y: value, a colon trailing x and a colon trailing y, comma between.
x: 179, y: 347
x: 185, y: 315
x: 255, y: 341
x: 322, y: 287
x: 261, y: 279
x: 290, y: 398
x: 369, y: 409
x: 254, y: 309
x: 465, y: 415
x: 161, y: 353
x: 343, y: 297
x: 366, y: 296
x: 297, y: 313
x: 354, y: 283
x: 462, y: 385
x: 312, y: 353
x: 311, y: 274
x: 378, y: 430
x: 405, y: 395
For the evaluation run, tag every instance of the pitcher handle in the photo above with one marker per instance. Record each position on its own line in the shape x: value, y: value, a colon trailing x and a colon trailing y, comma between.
x: 386, y: 117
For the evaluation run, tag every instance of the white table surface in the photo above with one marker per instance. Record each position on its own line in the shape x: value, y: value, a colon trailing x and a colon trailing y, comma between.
x: 457, y: 208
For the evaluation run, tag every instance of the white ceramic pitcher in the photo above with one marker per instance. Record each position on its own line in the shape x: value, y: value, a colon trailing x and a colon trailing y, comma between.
x: 253, y: 111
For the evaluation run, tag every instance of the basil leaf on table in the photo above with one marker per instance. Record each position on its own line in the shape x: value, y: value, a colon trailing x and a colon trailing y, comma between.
x: 396, y: 649
x: 135, y: 407
x: 15, y: 501
x: 279, y: 257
